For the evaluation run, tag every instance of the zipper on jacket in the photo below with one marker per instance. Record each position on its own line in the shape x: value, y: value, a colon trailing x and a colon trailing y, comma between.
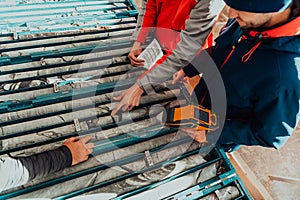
x: 232, y: 50
x: 224, y: 62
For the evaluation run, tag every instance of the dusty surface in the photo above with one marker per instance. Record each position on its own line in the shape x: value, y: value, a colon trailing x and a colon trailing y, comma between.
x: 284, y: 162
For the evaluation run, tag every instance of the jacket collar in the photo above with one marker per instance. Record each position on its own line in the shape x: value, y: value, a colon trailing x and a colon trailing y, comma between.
x: 291, y: 28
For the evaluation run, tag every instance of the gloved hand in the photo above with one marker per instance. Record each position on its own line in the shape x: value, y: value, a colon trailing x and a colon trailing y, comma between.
x: 80, y: 148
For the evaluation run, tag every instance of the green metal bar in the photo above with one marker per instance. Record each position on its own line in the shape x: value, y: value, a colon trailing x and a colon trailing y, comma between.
x: 184, y: 173
x: 56, y: 66
x: 72, y: 19
x: 136, y: 191
x: 105, y: 183
x: 86, y: 132
x: 48, y: 3
x: 79, y: 51
x: 75, y: 71
x: 19, y: 148
x: 81, y: 133
x: 71, y: 28
x: 3, y: 137
x: 47, y: 16
x: 124, y: 161
x: 231, y: 181
x: 65, y: 52
x: 112, y: 29
x: 51, y: 114
x: 56, y: 6
x: 213, y: 184
x: 222, y: 153
x: 37, y: 144
x: 245, y: 195
x: 66, y: 136
x: 64, y: 43
x: 25, y: 90
x: 126, y: 140
x: 132, y: 5
x: 203, y: 188
x: 63, y: 96
x: 42, y: 129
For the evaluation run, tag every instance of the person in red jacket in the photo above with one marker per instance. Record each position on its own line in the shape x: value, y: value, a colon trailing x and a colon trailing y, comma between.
x: 168, y: 16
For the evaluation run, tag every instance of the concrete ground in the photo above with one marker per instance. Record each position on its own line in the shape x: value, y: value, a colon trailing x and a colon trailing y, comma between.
x: 284, y: 162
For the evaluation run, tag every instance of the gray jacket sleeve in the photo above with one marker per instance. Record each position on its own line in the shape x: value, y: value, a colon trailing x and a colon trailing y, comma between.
x: 198, y: 27
x: 42, y: 164
x: 12, y: 173
x: 18, y: 171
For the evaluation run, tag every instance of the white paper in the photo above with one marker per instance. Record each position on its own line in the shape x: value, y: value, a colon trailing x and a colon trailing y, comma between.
x: 151, y: 54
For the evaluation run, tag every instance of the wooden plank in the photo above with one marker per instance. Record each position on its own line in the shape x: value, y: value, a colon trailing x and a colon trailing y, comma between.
x: 255, y: 188
x: 285, y: 179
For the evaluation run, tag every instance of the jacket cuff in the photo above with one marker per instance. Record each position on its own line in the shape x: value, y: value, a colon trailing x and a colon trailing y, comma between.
x: 144, y: 84
x: 68, y: 156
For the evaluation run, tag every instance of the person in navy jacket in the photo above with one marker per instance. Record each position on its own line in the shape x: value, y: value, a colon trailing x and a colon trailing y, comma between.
x: 258, y: 56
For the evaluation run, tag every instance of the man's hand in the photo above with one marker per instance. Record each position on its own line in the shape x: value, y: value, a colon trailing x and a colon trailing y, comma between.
x: 178, y: 77
x: 199, y: 136
x: 135, y: 51
x: 129, y: 99
x: 80, y: 148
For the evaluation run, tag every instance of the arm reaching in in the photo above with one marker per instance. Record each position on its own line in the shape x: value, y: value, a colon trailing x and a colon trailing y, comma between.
x: 198, y: 27
x: 202, y: 18
x: 79, y: 148
x: 128, y: 99
x: 18, y: 171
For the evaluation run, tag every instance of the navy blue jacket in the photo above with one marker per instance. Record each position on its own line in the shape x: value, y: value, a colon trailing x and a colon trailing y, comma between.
x: 262, y: 89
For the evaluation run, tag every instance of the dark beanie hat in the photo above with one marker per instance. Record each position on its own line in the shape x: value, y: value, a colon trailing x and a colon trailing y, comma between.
x: 259, y: 6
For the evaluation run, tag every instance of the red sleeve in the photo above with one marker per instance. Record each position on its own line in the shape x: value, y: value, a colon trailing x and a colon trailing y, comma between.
x: 149, y: 20
x: 182, y: 14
